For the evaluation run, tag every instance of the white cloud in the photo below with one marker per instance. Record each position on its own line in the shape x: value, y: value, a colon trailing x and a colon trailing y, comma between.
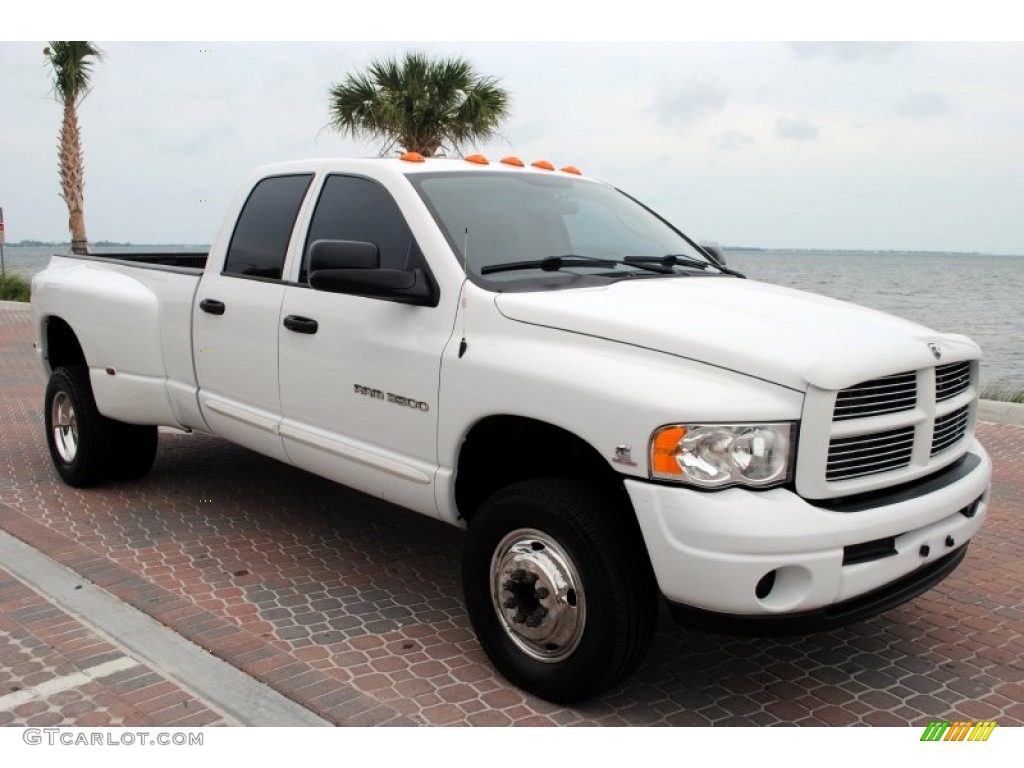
x: 922, y: 104
x: 732, y: 140
x: 689, y: 102
x: 795, y: 128
x: 840, y: 51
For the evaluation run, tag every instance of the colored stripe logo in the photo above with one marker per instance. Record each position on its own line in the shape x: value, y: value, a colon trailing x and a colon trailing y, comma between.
x: 959, y: 730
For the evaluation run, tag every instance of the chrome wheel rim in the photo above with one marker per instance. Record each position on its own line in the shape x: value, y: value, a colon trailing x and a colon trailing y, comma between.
x: 65, y: 427
x: 538, y: 595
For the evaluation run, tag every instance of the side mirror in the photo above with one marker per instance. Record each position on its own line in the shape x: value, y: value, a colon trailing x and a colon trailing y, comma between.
x: 343, y: 254
x: 351, y: 267
x: 715, y: 252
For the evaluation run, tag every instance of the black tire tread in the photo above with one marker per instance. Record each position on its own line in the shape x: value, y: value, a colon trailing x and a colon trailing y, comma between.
x: 91, y: 462
x: 133, y: 450
x: 608, y: 531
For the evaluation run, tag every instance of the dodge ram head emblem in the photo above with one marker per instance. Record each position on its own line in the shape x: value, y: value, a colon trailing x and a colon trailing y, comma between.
x: 936, y: 352
x: 624, y: 455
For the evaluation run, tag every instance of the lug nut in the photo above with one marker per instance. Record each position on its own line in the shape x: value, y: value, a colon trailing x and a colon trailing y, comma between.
x: 510, y: 603
x: 541, y: 592
x: 950, y: 541
x: 518, y: 574
x: 924, y: 550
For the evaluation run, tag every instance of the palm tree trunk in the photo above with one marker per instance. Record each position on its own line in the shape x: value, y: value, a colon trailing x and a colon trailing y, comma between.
x: 71, y: 178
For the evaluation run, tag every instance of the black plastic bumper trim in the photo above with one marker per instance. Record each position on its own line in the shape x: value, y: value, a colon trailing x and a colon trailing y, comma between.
x: 822, y: 619
x: 958, y: 470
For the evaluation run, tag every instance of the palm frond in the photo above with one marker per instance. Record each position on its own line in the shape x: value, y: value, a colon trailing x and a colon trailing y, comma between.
x: 72, y: 63
x: 418, y: 103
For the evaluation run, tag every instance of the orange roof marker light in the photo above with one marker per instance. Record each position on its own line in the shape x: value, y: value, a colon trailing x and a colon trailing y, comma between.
x: 412, y: 157
x: 544, y: 165
x: 512, y: 161
x: 571, y: 169
x: 478, y: 159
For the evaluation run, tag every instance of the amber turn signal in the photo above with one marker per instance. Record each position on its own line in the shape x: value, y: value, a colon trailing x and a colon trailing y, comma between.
x: 663, y: 452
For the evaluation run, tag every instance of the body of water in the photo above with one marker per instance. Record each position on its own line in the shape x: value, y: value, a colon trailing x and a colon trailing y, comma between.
x: 981, y: 296
x: 977, y: 295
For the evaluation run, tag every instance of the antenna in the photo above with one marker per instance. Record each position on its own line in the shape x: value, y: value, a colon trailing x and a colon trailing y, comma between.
x: 464, y: 299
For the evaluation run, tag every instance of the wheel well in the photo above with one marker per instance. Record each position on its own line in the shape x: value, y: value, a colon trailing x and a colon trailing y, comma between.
x: 62, y: 347
x: 501, y: 450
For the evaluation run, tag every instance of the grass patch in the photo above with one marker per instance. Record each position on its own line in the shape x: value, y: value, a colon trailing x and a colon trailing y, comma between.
x: 14, y: 288
x: 1002, y: 392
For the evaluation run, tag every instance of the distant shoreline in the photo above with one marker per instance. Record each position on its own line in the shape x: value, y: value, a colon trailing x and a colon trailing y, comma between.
x: 727, y: 248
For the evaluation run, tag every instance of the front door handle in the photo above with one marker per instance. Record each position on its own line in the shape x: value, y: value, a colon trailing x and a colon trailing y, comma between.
x: 212, y: 306
x: 300, y: 324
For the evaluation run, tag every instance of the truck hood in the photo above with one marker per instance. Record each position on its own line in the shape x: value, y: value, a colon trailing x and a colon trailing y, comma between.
x: 781, y: 335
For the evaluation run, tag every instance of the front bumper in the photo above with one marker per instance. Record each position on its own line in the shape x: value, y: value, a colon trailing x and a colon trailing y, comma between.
x: 771, y: 554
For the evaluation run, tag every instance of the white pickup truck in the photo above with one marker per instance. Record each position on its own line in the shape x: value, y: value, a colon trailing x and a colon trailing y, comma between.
x: 612, y: 412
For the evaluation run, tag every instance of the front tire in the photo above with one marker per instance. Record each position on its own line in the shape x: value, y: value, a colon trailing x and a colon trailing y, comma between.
x: 559, y: 588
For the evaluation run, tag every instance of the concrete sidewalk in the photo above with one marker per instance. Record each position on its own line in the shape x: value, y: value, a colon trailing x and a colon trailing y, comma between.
x: 55, y: 670
x: 352, y: 608
x: 78, y: 645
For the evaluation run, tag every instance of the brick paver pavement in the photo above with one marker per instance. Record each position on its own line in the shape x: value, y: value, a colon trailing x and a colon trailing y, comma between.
x: 353, y: 607
x: 54, y: 670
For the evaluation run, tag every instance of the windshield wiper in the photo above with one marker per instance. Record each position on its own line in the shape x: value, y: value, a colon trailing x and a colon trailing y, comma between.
x: 549, y: 264
x: 668, y: 261
x: 673, y: 260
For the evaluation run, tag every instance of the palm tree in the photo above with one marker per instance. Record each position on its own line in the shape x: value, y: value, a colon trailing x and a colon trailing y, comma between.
x: 419, y: 104
x: 72, y: 67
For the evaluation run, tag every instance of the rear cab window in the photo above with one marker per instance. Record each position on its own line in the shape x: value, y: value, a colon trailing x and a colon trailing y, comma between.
x: 259, y: 243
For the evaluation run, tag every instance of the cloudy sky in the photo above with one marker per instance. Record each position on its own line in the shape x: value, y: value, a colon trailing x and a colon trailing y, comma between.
x: 880, y: 145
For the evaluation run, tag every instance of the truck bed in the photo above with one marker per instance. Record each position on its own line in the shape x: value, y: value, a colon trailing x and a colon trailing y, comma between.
x: 178, y: 259
x: 132, y: 315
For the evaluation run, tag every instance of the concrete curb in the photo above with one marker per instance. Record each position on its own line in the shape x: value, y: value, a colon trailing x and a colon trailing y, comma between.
x: 1001, y: 413
x: 215, y: 681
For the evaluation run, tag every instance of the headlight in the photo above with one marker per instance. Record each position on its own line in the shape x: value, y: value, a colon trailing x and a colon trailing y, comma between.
x: 719, y: 455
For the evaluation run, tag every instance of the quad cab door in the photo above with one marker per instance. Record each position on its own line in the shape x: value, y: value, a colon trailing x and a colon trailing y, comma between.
x: 236, y: 318
x: 359, y: 375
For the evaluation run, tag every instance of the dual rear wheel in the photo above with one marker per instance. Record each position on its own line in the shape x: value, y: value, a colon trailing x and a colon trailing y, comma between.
x: 87, y: 448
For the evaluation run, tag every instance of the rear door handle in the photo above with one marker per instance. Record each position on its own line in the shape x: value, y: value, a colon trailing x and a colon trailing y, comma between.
x: 300, y: 324
x: 212, y: 306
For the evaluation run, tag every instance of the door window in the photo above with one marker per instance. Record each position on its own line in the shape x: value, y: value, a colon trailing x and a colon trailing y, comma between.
x: 354, y: 208
x: 260, y: 240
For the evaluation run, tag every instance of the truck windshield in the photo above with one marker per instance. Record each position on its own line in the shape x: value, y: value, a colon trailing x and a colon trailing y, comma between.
x: 514, y: 231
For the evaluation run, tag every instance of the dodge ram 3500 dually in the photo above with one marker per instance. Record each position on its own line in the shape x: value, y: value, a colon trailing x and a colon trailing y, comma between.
x: 611, y: 411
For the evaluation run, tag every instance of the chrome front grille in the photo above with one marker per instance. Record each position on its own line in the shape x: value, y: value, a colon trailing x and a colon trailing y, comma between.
x: 889, y: 394
x: 885, y: 431
x: 869, y: 454
x: 951, y: 380
x: 950, y: 429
